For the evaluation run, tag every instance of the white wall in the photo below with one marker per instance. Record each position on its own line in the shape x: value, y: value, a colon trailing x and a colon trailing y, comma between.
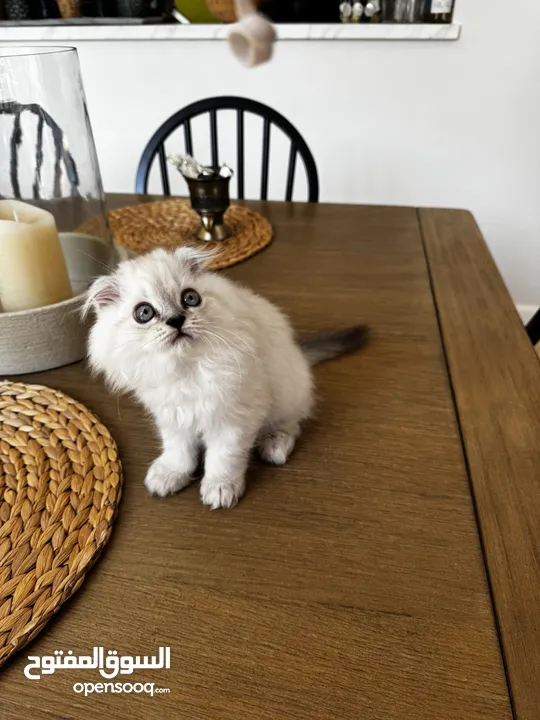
x: 452, y: 124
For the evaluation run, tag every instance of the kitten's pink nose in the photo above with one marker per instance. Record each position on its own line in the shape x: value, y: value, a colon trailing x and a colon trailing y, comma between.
x: 176, y: 322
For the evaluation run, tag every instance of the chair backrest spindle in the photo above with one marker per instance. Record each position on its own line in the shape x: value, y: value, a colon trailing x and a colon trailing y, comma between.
x: 290, y: 173
x: 240, y: 152
x: 188, y: 137
x: 214, y: 138
x: 164, y: 171
x: 265, y: 159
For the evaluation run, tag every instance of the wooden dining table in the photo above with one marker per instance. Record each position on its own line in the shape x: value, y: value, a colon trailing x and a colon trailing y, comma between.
x: 390, y: 570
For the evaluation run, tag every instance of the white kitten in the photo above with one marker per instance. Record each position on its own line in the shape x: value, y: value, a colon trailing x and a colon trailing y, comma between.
x: 215, y: 364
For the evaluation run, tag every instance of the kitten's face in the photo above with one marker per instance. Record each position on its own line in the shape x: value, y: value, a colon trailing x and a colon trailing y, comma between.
x: 158, y: 305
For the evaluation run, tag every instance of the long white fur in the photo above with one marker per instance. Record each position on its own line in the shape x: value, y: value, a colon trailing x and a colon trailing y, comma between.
x: 239, y: 380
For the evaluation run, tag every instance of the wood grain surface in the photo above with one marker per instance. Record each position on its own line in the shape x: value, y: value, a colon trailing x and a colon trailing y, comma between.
x: 347, y: 585
x: 495, y: 375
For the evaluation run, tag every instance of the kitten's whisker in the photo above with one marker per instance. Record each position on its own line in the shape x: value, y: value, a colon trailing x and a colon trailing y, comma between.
x: 229, y: 346
x: 208, y: 340
x: 216, y: 332
x: 249, y: 348
x: 119, y: 347
x: 232, y: 344
x: 231, y: 332
x: 152, y: 339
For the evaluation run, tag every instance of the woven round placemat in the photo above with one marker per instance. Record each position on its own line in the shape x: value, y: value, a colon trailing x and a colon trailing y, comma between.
x: 169, y: 223
x: 60, y: 485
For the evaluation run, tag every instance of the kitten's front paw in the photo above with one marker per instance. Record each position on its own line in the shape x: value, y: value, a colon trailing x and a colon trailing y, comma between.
x: 221, y: 493
x: 163, y: 480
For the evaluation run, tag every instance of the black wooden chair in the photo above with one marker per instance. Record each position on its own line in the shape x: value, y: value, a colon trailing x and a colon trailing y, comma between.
x: 212, y: 106
x: 63, y: 160
x: 533, y: 328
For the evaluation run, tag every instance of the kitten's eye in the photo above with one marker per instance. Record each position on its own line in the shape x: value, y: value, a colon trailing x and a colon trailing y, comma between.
x: 190, y: 298
x: 143, y: 313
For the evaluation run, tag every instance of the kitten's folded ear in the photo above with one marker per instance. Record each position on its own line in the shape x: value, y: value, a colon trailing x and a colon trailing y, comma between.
x: 102, y: 292
x: 196, y: 261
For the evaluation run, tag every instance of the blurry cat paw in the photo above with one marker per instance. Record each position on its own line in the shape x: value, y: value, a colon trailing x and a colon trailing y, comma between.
x: 162, y: 480
x: 275, y: 447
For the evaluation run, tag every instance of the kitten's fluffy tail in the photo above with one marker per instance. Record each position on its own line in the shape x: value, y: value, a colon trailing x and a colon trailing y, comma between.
x: 327, y: 345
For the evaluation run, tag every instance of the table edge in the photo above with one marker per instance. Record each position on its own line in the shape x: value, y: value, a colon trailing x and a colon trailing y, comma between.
x: 500, y: 462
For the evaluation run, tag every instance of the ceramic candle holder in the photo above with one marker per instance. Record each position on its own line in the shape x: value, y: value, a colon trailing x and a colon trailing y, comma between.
x: 55, y: 335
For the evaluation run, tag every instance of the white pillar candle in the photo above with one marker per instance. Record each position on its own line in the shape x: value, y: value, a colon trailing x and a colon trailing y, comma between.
x: 32, y: 267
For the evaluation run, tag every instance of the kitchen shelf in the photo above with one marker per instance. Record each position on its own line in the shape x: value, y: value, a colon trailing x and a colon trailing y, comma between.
x: 47, y: 31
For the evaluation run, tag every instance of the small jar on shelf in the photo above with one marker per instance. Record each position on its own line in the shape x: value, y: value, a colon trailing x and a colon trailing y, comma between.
x: 360, y: 11
x: 372, y: 11
x: 346, y: 11
x: 439, y: 11
x: 404, y: 11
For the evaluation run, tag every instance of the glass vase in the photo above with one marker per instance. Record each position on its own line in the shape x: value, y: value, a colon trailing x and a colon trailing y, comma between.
x: 46, y: 136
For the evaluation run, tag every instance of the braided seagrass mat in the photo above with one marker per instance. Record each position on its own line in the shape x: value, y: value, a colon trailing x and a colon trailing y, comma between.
x: 60, y: 485
x: 169, y: 223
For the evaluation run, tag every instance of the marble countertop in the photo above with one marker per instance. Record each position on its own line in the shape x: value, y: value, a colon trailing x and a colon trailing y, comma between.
x: 79, y: 32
